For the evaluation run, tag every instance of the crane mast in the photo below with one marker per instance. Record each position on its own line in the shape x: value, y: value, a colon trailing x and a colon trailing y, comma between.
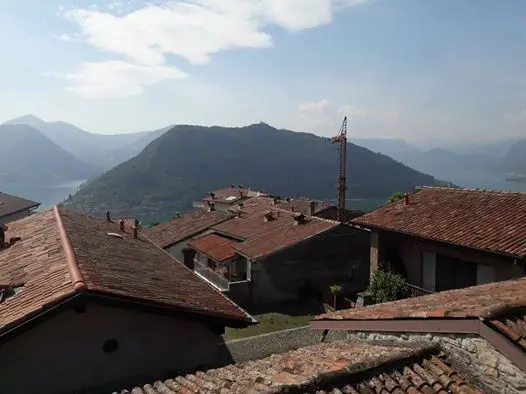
x: 341, y: 139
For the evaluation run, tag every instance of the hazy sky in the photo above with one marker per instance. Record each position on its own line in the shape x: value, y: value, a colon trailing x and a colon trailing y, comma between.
x: 413, y: 69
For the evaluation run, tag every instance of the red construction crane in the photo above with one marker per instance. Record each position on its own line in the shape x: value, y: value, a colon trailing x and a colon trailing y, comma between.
x: 341, y: 139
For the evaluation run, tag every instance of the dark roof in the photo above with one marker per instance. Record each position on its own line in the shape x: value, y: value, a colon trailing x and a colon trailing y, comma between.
x: 186, y: 226
x: 513, y: 326
x: 261, y: 238
x: 329, y: 367
x: 215, y: 246
x: 485, y: 220
x: 61, y: 253
x: 10, y: 205
x: 471, y: 302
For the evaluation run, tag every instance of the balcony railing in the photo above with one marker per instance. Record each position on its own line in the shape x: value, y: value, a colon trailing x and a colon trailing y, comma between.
x: 415, y: 291
x: 211, y: 276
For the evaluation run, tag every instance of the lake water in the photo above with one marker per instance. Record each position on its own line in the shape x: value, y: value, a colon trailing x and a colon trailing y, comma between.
x: 47, y: 195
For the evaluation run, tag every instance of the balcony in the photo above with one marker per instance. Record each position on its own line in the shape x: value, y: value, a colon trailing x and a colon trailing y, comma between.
x: 231, y: 272
x: 415, y: 291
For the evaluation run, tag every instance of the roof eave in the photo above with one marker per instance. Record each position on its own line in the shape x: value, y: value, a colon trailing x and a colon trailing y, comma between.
x: 371, y: 227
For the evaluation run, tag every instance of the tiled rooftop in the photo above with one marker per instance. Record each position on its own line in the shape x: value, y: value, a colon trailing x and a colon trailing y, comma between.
x: 478, y: 301
x: 486, y: 220
x: 231, y: 195
x: 62, y: 252
x: 188, y: 225
x: 513, y: 326
x: 328, y: 367
x: 11, y: 204
x: 261, y: 237
x: 215, y: 246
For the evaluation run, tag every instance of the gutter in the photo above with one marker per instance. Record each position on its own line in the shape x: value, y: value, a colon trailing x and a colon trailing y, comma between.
x: 477, y: 326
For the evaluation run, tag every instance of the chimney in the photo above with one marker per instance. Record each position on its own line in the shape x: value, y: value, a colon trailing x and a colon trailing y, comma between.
x: 211, y: 206
x: 240, y: 206
x: 240, y: 193
x: 232, y: 186
x: 275, y: 200
x: 136, y: 228
x: 312, y: 207
x: 299, y: 218
x: 212, y: 195
x: 189, y: 255
x: 177, y: 215
x: 108, y: 216
x: 268, y: 216
x: 121, y: 224
x: 406, y: 199
x: 2, y: 236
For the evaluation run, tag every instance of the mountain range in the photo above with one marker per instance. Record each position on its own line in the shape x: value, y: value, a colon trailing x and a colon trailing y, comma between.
x: 187, y: 161
x: 102, y: 150
x: 485, y: 166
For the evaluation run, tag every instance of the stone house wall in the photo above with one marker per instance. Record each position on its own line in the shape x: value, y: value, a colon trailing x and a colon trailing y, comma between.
x: 472, y: 355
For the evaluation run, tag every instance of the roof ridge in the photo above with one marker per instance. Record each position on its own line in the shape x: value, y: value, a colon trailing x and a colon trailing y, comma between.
x: 465, y: 189
x: 193, y: 272
x: 71, y: 260
x: 310, y: 216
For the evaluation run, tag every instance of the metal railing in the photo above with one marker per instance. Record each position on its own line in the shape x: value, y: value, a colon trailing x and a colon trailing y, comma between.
x: 415, y: 291
x: 211, y: 276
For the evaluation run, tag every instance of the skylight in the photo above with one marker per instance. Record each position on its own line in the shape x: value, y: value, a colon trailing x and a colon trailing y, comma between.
x: 230, y: 198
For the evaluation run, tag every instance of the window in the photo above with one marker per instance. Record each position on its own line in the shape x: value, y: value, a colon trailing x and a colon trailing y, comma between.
x: 485, y: 274
x: 453, y: 273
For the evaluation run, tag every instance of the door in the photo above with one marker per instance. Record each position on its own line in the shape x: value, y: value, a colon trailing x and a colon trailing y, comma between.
x: 429, y: 271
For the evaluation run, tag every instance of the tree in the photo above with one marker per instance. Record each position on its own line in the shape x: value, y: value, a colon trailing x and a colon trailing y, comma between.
x: 386, y: 286
x: 395, y: 197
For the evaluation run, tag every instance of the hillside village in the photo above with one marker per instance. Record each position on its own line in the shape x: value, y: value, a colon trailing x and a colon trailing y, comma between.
x: 150, y: 309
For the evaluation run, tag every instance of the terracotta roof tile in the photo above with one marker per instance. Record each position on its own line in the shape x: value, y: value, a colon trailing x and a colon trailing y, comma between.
x: 513, y: 326
x: 477, y: 301
x: 12, y: 204
x: 261, y: 237
x: 231, y: 195
x: 215, y: 246
x: 189, y: 224
x: 337, y: 367
x: 486, y: 220
x: 118, y: 265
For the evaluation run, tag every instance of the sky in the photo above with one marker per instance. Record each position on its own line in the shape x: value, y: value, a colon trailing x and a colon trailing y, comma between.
x: 413, y: 69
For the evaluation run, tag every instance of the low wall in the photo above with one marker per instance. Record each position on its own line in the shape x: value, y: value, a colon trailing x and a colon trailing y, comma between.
x: 472, y: 355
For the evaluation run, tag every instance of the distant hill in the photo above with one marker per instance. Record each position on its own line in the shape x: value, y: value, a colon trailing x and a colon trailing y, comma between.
x: 515, y: 160
x: 188, y: 161
x: 28, y: 157
x: 102, y: 150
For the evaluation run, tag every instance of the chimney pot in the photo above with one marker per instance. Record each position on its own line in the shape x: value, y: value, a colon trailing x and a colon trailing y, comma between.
x: 406, y: 199
x: 211, y: 206
x: 121, y: 224
x: 177, y: 215
x: 212, y: 195
x: 233, y: 186
x: 312, y: 207
x: 188, y: 259
x: 299, y: 218
x: 108, y: 216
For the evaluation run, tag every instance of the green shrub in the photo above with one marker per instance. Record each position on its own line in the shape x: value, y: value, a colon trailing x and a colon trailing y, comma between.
x: 386, y: 286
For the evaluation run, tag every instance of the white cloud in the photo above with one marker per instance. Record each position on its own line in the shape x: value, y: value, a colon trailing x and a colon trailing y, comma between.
x: 352, y: 111
x: 65, y: 37
x: 318, y: 106
x: 194, y: 29
x: 116, y: 79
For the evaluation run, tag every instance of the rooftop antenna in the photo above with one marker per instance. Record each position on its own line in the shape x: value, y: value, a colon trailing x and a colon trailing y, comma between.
x: 341, y: 139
